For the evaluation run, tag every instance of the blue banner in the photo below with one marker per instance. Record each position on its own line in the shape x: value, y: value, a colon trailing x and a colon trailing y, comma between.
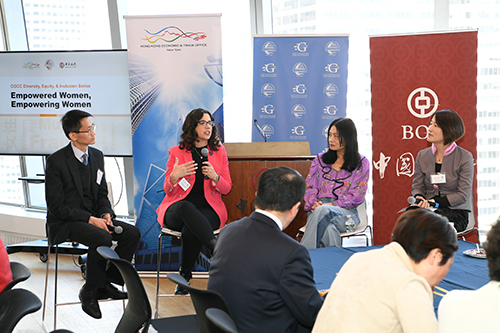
x: 300, y: 87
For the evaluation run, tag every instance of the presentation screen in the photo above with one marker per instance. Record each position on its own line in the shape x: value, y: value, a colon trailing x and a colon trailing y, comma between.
x: 38, y: 88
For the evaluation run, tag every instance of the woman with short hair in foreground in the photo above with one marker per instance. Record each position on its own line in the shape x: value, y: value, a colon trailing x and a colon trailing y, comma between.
x: 390, y: 289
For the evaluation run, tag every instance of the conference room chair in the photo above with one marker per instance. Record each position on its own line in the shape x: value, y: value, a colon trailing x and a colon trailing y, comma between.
x: 202, y: 301
x: 222, y: 320
x: 470, y: 228
x: 14, y: 305
x: 362, y: 226
x: 172, y: 233
x: 360, y: 230
x: 137, y: 314
x: 19, y: 273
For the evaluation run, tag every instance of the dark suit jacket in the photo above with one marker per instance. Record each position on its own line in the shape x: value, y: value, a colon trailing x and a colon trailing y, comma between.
x: 64, y: 193
x: 265, y: 276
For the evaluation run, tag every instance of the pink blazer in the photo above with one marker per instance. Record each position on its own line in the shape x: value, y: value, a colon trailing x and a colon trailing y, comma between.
x: 213, y: 191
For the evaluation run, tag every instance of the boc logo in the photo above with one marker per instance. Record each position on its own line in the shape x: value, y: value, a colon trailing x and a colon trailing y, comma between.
x: 422, y: 102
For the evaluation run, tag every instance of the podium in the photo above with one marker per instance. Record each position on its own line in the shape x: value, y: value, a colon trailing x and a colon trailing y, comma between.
x: 247, y: 161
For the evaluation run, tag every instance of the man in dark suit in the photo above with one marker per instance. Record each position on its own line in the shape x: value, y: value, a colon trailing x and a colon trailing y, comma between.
x: 78, y: 209
x: 265, y: 276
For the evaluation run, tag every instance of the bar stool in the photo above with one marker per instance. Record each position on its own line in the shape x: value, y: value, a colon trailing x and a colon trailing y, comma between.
x: 74, y: 249
x: 56, y: 251
x: 166, y: 232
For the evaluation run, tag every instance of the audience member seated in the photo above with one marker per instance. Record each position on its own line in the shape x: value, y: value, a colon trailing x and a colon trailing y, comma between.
x: 475, y: 310
x: 265, y: 276
x: 444, y: 172
x: 5, y: 272
x: 390, y: 289
x: 336, y: 186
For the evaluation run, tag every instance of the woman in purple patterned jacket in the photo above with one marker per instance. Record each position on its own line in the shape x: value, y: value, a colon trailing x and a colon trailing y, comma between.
x: 336, y: 185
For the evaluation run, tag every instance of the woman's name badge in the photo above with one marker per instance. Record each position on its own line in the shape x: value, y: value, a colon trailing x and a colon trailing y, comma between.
x: 184, y: 184
x: 439, y: 178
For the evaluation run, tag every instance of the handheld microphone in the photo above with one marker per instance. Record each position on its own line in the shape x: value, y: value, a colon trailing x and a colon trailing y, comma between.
x: 412, y: 200
x: 116, y: 229
x: 260, y: 130
x: 204, y: 153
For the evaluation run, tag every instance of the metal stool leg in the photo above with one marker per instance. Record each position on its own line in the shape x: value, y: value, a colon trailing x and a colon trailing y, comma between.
x: 158, y: 262
x: 46, y: 287
x: 55, y: 287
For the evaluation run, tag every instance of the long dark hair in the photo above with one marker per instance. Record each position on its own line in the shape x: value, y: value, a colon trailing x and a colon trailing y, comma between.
x: 349, y: 137
x: 189, y: 136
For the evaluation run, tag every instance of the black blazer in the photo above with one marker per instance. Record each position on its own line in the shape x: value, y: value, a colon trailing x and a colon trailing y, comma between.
x: 64, y: 193
x: 265, y: 276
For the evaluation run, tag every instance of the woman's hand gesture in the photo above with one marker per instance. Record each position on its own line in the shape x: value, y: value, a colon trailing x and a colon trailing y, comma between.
x: 182, y: 170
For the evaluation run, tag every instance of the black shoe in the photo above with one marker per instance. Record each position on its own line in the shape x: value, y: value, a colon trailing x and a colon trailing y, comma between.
x: 179, y: 290
x: 88, y: 297
x: 110, y: 291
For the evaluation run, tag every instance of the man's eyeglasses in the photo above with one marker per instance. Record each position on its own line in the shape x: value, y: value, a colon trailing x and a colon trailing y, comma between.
x: 92, y: 128
x: 203, y: 123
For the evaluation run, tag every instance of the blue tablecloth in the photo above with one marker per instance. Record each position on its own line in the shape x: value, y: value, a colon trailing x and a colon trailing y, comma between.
x: 465, y: 273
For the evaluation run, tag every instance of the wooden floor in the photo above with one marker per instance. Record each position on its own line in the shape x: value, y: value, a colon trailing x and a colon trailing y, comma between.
x: 72, y: 317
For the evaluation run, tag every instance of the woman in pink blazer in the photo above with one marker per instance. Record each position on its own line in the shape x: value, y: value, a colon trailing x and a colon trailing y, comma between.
x: 197, y: 174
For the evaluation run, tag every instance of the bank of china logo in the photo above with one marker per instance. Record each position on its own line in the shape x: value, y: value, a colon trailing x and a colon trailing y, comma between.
x: 405, y: 165
x: 268, y: 90
x: 171, y: 34
x: 268, y: 129
x: 332, y: 68
x: 300, y: 69
x: 331, y: 90
x: 332, y: 47
x: 300, y: 89
x: 301, y: 47
x: 298, y: 130
x: 49, y: 64
x: 331, y: 110
x: 269, y: 48
x: 298, y: 111
x: 269, y: 109
x: 422, y: 102
x: 268, y: 68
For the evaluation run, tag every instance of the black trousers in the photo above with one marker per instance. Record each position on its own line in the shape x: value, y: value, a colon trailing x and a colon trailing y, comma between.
x: 93, y: 237
x: 196, y: 225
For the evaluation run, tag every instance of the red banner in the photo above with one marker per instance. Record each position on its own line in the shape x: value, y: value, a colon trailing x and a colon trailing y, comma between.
x: 414, y: 76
